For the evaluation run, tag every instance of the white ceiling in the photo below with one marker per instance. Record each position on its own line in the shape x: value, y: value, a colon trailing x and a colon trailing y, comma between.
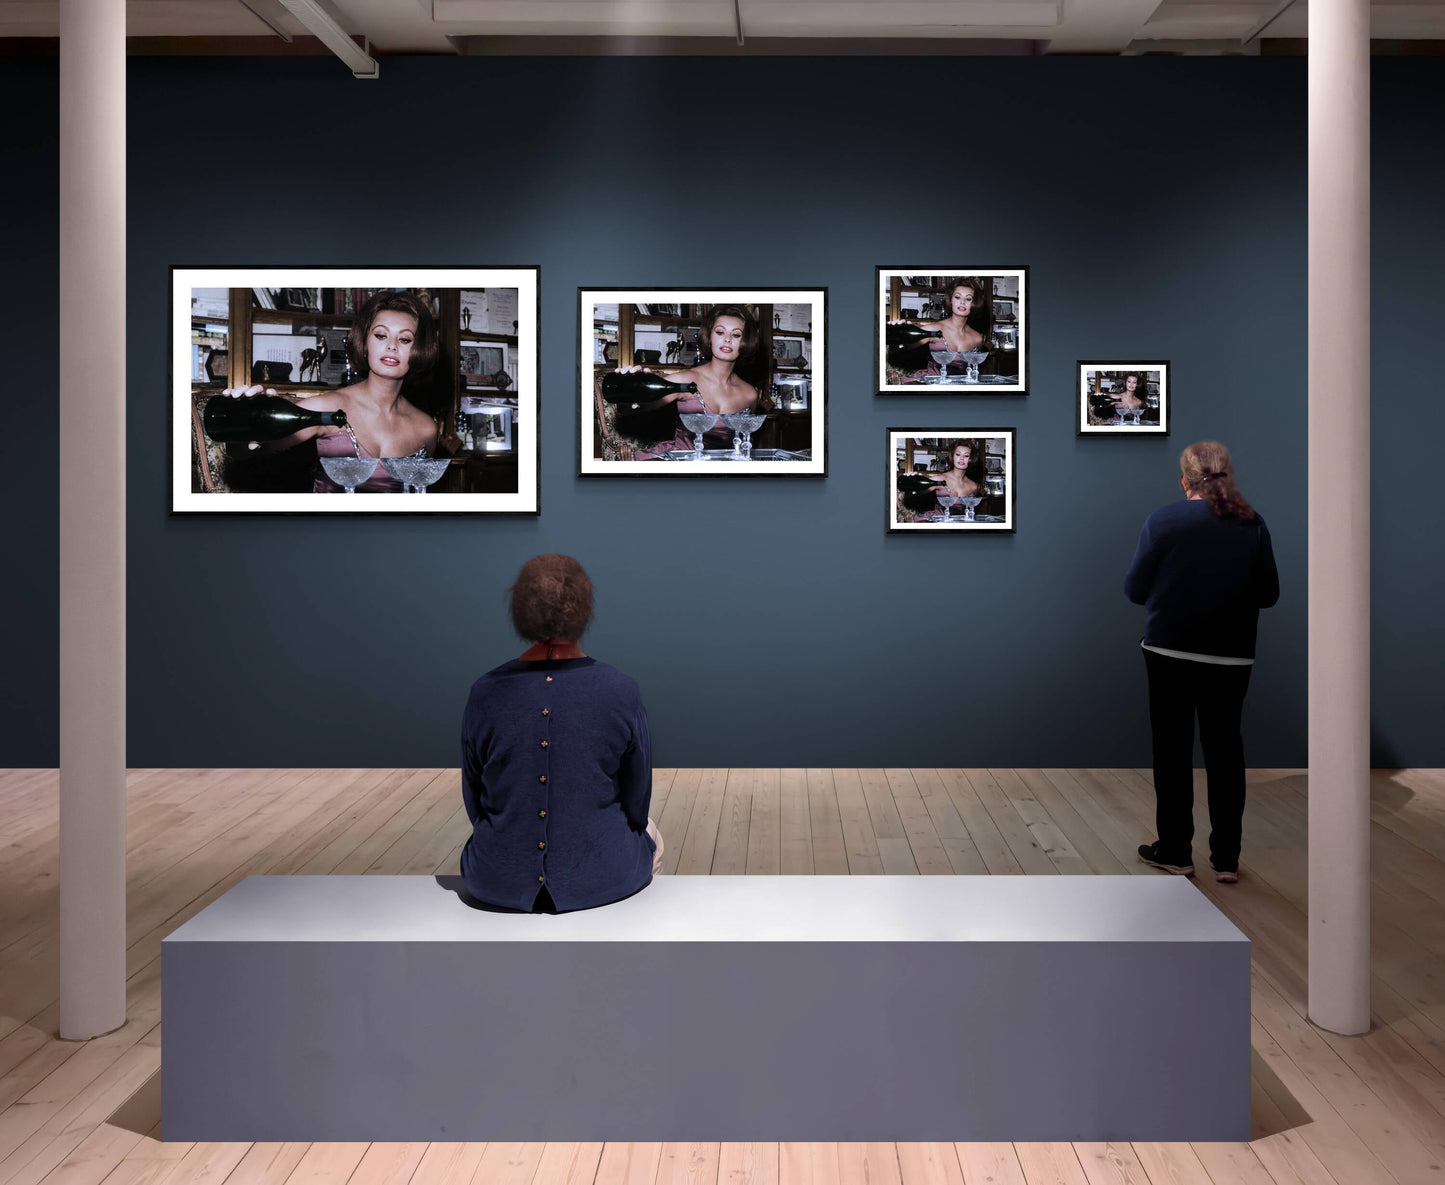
x: 1058, y: 26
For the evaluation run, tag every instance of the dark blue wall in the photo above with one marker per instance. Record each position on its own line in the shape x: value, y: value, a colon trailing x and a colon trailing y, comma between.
x: 1159, y: 202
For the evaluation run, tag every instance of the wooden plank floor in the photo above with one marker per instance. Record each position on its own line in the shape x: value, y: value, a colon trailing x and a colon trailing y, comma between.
x: 1326, y: 1110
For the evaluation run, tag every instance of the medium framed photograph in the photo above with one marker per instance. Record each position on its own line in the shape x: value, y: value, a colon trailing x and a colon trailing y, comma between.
x: 1123, y: 398
x: 702, y: 381
x: 951, y: 330
x: 288, y: 384
x: 959, y: 480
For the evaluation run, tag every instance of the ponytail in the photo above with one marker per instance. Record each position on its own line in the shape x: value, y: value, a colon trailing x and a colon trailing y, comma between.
x: 1209, y: 472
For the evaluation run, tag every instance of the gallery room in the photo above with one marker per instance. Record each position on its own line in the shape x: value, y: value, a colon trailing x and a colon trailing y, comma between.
x: 723, y: 591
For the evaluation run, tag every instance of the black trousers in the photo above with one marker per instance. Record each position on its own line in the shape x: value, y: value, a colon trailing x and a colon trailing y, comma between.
x: 1180, y: 689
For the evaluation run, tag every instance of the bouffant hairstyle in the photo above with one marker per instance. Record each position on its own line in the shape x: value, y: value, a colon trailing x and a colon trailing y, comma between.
x: 551, y: 599
x: 423, y: 349
x: 980, y: 316
x: 976, y: 470
x: 1208, y: 471
x: 751, y: 334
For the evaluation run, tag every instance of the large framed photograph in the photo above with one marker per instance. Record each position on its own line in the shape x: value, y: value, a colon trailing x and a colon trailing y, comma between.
x: 951, y: 330
x: 1123, y: 398
x: 957, y: 480
x: 289, y: 384
x: 716, y: 381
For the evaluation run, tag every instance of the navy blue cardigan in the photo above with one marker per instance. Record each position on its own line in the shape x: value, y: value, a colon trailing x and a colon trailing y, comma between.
x: 1203, y: 579
x: 556, y: 778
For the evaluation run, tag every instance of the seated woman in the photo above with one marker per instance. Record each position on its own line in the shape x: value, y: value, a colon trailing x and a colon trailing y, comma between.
x: 964, y: 478
x: 728, y: 380
x: 1104, y: 408
x: 393, y: 341
x: 556, y: 762
x: 967, y: 327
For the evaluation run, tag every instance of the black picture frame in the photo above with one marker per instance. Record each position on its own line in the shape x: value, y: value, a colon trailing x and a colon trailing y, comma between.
x: 1094, y: 380
x: 184, y: 426
x: 596, y: 435
x: 903, y: 507
x: 1005, y: 368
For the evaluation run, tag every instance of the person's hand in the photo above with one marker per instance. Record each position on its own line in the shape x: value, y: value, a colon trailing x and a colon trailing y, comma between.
x: 248, y: 392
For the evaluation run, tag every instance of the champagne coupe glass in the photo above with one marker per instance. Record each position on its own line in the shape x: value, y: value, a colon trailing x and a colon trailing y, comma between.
x: 697, y: 423
x: 969, y: 502
x: 943, y: 357
x: 348, y: 472
x: 973, y: 358
x: 948, y: 502
x: 416, y: 473
x: 744, y: 423
x: 1135, y: 412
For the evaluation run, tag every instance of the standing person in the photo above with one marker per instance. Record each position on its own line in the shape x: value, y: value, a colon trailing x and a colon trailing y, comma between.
x: 1204, y: 568
x: 728, y: 377
x: 556, y: 762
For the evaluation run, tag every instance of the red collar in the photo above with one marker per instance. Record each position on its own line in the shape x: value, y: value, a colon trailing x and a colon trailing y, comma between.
x: 551, y: 648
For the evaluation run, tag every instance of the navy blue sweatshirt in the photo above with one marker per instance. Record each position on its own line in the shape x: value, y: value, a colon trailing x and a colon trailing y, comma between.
x: 556, y: 779
x: 1203, y: 578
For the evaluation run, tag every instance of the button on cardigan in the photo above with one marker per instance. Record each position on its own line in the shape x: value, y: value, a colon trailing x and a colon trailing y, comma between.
x: 556, y: 779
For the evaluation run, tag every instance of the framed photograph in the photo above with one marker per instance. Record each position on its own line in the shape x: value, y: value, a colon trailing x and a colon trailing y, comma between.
x: 484, y: 365
x: 301, y: 362
x: 702, y: 381
x: 959, y: 480
x: 1123, y: 398
x: 951, y: 330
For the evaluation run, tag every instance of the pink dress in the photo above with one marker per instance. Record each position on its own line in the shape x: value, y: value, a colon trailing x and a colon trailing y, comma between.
x: 718, y: 436
x: 339, y: 445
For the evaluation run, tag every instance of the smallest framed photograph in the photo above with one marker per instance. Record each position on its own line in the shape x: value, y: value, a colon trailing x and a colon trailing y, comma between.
x: 956, y: 480
x: 1123, y: 398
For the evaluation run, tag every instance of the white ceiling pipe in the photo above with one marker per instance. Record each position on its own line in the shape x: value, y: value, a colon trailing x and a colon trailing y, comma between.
x: 319, y: 18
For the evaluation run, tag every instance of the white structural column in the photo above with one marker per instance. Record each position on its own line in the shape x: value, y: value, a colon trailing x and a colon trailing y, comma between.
x: 1339, y: 528
x: 92, y: 518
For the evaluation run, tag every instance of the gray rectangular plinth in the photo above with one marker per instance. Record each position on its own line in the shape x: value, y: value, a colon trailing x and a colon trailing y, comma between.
x: 710, y: 1008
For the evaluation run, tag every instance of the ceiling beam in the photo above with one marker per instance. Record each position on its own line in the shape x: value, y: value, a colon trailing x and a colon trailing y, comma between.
x: 318, y: 17
x: 1100, y: 26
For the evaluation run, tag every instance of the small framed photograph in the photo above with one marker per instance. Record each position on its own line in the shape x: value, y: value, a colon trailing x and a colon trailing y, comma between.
x: 951, y: 479
x: 352, y: 380
x: 484, y: 366
x: 719, y: 382
x: 951, y: 330
x: 1123, y: 398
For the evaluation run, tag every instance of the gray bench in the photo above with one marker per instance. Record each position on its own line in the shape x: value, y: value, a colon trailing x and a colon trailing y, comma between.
x: 710, y: 1008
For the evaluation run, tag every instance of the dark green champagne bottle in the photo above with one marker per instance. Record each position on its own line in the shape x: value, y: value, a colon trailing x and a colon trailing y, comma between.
x: 905, y: 334
x: 261, y: 417
x: 640, y: 386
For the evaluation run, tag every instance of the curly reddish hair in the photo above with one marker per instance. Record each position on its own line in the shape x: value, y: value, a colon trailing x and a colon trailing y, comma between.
x: 1208, y: 470
x: 551, y: 599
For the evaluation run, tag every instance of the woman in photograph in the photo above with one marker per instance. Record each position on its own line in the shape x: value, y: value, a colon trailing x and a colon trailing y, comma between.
x: 966, y: 327
x: 393, y: 341
x: 963, y: 478
x: 1104, y: 407
x: 1204, y: 568
x: 729, y: 379
x: 556, y: 762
